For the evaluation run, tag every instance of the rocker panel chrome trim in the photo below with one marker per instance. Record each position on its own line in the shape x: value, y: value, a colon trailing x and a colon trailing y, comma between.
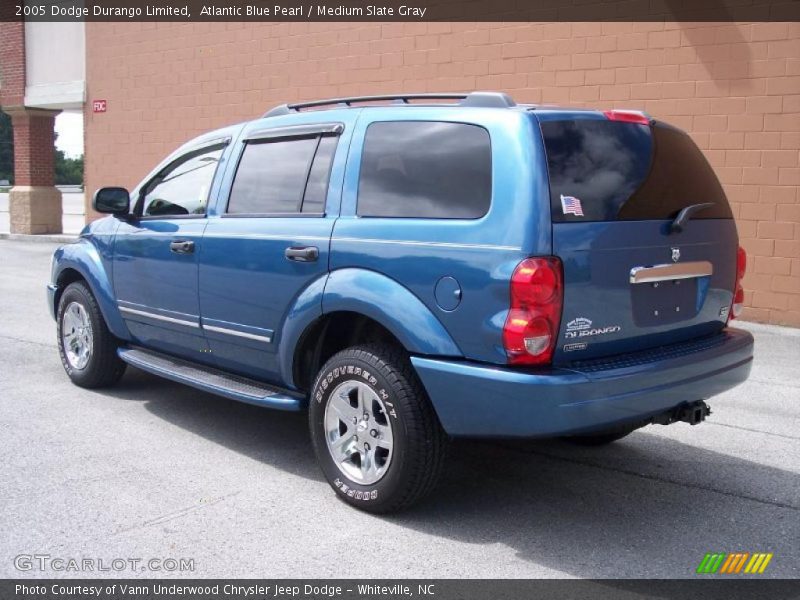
x: 249, y: 336
x: 157, y: 317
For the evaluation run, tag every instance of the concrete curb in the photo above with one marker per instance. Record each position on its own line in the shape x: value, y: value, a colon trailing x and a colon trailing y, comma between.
x: 60, y: 238
x: 766, y: 328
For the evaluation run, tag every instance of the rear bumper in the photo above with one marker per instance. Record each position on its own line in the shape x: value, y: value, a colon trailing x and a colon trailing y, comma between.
x: 475, y: 400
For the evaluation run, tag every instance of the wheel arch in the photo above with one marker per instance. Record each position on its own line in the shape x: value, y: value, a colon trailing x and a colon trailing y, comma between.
x: 82, y: 262
x: 65, y: 276
x: 329, y: 334
x: 358, y: 306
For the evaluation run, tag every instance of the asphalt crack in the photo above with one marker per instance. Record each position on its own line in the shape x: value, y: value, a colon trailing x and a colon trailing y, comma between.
x: 24, y: 341
x: 177, y: 514
x: 761, y: 431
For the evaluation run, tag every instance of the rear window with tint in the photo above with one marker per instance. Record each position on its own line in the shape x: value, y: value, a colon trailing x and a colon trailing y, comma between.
x: 425, y: 169
x: 616, y: 171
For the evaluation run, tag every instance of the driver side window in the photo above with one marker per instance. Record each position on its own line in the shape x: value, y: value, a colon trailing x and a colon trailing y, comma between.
x: 182, y: 188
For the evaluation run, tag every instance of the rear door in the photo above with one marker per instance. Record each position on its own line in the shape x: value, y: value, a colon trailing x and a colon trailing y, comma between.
x: 631, y: 281
x: 269, y: 239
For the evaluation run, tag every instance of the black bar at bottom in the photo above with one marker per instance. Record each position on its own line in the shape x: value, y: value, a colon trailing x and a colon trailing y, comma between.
x: 727, y: 588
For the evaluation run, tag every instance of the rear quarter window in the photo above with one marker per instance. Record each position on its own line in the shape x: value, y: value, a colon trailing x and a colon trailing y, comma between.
x: 425, y: 169
x: 618, y: 171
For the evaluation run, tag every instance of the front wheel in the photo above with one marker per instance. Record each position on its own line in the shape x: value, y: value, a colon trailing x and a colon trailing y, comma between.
x: 88, y: 349
x: 375, y: 434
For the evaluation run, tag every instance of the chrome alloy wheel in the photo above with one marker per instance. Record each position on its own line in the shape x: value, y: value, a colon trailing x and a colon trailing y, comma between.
x: 358, y: 432
x: 76, y: 335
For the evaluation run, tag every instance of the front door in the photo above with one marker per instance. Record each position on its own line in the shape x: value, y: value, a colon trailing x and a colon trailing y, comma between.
x: 155, y: 256
x: 270, y: 240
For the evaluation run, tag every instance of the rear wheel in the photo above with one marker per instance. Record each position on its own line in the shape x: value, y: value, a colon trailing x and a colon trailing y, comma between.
x: 375, y: 434
x: 88, y: 349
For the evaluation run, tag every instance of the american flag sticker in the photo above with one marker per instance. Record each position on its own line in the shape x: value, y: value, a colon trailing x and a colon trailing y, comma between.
x: 571, y: 206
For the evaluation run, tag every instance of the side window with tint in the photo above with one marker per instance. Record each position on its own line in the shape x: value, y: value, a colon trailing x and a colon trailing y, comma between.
x: 284, y: 176
x: 182, y: 188
x: 319, y: 176
x: 425, y: 169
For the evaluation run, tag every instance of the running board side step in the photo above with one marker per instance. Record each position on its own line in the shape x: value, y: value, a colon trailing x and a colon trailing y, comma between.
x: 212, y: 380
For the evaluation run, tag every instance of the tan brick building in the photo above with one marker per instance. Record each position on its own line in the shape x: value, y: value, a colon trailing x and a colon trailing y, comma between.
x: 734, y: 86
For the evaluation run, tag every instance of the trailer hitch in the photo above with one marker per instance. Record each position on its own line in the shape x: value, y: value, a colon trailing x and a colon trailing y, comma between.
x: 690, y: 412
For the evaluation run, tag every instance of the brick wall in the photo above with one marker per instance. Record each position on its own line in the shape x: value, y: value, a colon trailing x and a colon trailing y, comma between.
x: 34, y: 139
x: 34, y: 143
x: 734, y: 87
x: 12, y: 69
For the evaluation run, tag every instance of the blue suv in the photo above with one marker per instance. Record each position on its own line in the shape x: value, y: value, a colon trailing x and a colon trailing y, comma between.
x: 418, y: 267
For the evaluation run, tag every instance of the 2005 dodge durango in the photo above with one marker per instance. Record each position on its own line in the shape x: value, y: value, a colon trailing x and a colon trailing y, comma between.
x: 414, y: 268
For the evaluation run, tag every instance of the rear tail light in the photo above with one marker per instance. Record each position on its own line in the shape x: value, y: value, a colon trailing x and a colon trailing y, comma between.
x: 738, y: 293
x: 627, y: 116
x: 531, y: 327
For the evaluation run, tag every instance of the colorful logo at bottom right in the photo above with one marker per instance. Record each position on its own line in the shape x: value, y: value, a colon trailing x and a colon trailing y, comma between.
x: 734, y: 563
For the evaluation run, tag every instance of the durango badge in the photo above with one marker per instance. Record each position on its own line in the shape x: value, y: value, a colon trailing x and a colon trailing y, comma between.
x: 582, y: 327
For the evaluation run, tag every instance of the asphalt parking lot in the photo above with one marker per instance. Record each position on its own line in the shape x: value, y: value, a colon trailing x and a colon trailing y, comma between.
x: 151, y: 469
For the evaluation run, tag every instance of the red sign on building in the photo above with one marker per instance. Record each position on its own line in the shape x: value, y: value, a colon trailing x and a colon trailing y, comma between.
x: 98, y: 106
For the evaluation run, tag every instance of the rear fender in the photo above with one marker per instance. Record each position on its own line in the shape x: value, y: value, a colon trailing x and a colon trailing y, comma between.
x: 372, y: 295
x: 393, y: 306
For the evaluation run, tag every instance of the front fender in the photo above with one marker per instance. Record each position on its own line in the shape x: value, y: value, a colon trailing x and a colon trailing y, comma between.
x: 85, y: 257
x: 393, y: 306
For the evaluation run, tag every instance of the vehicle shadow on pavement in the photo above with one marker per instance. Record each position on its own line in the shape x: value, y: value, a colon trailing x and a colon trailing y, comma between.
x: 276, y: 437
x: 646, y: 506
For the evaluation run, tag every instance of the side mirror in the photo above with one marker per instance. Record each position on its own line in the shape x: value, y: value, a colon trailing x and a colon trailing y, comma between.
x: 112, y: 200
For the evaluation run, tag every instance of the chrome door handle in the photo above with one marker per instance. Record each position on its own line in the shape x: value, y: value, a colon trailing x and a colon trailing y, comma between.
x: 302, y: 253
x: 181, y: 247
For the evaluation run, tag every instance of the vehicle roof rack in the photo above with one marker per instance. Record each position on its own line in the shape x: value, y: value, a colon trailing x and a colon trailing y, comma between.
x: 472, y: 99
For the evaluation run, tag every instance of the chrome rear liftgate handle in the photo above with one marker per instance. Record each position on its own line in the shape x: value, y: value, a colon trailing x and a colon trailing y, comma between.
x: 669, y: 272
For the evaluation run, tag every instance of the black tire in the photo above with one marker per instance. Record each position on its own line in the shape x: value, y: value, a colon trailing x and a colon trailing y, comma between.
x: 419, y: 442
x: 602, y: 438
x: 104, y: 367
